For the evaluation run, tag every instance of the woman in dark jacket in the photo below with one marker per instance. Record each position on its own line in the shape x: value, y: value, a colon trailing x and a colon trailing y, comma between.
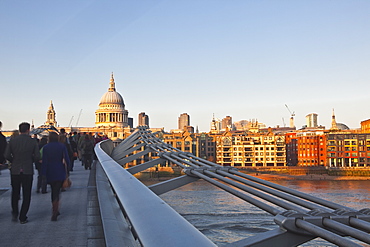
x: 55, y: 160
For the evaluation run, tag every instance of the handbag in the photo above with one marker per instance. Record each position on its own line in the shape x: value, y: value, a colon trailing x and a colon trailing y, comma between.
x: 67, y: 183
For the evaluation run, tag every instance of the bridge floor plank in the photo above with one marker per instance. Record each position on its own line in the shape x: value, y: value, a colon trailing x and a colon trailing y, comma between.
x: 70, y: 229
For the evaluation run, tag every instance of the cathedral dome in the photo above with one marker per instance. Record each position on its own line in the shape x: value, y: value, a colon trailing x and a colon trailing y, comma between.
x: 342, y: 126
x: 112, y: 97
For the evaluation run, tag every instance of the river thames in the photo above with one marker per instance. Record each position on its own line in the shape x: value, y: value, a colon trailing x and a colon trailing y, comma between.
x: 224, y: 218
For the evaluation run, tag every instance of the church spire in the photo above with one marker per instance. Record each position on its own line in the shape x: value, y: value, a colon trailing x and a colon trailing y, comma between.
x: 51, y: 107
x: 112, y: 84
x: 333, y: 122
x: 51, y: 115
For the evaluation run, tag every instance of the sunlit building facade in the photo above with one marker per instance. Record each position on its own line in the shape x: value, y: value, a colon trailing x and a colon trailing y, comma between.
x: 311, y: 148
x: 143, y: 119
x: 184, y: 121
x: 348, y: 149
x: 250, y: 149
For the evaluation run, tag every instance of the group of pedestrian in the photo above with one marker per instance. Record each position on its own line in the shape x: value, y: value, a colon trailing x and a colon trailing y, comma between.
x: 53, y: 158
x: 85, y: 147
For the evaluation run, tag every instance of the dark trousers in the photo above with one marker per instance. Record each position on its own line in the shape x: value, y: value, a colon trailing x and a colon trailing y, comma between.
x: 87, y: 160
x: 24, y: 181
x: 56, y: 187
x: 72, y: 160
x: 41, y: 180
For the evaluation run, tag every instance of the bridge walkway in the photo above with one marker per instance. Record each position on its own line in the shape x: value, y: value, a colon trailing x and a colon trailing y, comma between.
x: 78, y: 225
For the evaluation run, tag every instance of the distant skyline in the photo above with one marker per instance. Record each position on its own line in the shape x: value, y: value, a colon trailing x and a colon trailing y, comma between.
x: 245, y: 59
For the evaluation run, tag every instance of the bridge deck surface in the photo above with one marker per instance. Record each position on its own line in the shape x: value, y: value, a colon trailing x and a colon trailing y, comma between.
x: 78, y: 224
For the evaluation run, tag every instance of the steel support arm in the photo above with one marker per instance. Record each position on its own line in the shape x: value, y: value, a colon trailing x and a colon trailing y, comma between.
x: 126, y: 143
x: 161, y: 188
x: 325, y: 234
x: 124, y: 153
x: 144, y: 166
x: 133, y: 157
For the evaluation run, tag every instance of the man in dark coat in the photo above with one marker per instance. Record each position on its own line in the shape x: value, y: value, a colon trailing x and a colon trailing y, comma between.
x: 2, y: 146
x: 22, y: 151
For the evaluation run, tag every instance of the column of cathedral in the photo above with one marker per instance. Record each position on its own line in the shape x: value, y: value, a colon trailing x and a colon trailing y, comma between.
x: 110, y: 117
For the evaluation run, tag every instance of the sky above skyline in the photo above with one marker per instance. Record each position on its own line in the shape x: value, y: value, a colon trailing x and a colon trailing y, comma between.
x: 242, y: 58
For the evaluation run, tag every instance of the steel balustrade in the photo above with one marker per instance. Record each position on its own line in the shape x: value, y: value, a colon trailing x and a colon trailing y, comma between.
x: 300, y: 217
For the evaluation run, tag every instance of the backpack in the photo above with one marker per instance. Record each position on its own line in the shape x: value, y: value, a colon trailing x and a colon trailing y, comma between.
x: 87, y: 147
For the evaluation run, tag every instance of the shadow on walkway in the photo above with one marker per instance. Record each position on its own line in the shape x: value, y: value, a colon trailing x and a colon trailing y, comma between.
x: 71, y: 229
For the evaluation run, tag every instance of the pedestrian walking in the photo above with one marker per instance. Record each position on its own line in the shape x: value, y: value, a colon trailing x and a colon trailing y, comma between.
x: 55, y: 162
x: 87, y: 149
x: 22, y: 152
x: 3, y: 144
x: 63, y: 138
x: 73, y: 146
x: 41, y: 180
x: 81, y: 138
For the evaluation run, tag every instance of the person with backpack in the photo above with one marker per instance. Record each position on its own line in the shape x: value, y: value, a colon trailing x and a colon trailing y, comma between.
x: 87, y: 149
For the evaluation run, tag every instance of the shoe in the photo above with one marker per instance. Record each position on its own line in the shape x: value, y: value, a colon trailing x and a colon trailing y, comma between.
x: 24, y: 221
x: 44, y: 192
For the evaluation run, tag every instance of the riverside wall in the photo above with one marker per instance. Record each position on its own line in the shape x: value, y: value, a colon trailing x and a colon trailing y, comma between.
x: 309, y: 173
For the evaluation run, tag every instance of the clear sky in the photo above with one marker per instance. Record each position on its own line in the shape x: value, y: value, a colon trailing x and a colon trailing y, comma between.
x: 242, y: 58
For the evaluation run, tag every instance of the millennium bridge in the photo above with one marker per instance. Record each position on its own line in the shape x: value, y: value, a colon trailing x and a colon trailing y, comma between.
x: 110, y: 207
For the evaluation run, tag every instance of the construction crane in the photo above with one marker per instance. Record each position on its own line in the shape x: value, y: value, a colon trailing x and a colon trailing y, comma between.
x: 70, y: 122
x: 292, y: 114
x: 78, y: 119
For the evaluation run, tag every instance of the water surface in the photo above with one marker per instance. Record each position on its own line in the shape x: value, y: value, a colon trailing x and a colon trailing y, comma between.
x: 224, y: 218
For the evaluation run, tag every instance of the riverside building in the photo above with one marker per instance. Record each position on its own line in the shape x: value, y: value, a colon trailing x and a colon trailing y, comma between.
x: 348, y: 149
x: 249, y: 149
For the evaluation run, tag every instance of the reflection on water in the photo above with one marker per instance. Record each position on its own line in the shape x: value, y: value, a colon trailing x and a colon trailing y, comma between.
x: 354, y: 194
x: 224, y: 218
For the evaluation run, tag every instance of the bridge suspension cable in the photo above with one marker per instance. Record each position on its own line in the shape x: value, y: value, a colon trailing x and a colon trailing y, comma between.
x: 300, y: 217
